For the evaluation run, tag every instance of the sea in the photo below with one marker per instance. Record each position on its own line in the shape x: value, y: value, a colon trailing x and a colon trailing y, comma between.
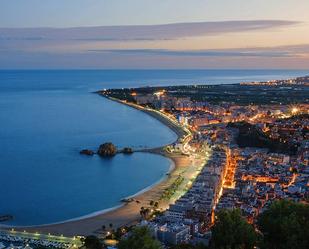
x: 48, y: 116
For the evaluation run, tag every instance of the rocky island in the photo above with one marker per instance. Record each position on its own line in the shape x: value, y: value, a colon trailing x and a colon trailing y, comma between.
x: 107, y: 150
x: 87, y: 152
x: 127, y: 150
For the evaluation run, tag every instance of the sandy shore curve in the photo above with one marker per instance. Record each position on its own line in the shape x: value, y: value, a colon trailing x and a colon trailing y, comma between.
x: 125, y: 213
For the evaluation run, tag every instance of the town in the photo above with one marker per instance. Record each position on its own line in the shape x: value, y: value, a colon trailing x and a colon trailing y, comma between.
x: 245, y: 145
x: 140, y: 124
x: 258, y: 148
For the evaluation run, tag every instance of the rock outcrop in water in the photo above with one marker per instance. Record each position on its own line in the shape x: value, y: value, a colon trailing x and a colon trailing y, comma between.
x: 107, y: 150
x: 87, y: 152
x: 6, y: 217
x: 127, y: 150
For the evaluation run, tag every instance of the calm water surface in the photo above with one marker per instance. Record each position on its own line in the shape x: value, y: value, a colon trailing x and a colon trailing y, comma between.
x: 47, y: 117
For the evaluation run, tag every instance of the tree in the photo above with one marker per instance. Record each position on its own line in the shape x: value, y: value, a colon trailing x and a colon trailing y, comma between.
x: 187, y: 246
x: 285, y: 225
x: 144, y: 212
x: 156, y: 204
x: 231, y: 230
x: 139, y: 238
x: 92, y: 242
x: 41, y: 247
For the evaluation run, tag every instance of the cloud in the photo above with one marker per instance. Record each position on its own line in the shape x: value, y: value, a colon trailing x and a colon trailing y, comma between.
x: 90, y: 47
x: 139, y: 32
x: 275, y: 57
x: 287, y: 57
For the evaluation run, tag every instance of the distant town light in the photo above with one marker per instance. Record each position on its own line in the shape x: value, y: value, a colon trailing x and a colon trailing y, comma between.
x: 159, y: 93
x: 294, y: 110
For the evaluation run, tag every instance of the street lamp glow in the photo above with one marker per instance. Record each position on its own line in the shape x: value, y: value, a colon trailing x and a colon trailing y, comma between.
x: 294, y: 110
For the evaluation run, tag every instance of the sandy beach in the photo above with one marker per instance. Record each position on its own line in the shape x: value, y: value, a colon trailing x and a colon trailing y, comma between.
x: 128, y: 213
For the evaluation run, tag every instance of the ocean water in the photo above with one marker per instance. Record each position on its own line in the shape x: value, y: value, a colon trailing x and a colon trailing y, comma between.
x: 47, y: 117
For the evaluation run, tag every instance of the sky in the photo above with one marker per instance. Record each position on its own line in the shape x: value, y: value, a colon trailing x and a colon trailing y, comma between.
x: 154, y: 34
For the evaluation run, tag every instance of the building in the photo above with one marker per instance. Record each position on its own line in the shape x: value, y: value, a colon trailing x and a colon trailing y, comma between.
x: 173, y: 234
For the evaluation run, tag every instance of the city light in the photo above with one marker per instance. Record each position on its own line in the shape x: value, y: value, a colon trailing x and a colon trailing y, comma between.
x: 222, y: 170
x: 159, y: 93
x: 294, y: 110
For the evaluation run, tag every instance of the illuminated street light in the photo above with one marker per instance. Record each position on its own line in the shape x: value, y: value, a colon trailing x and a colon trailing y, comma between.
x: 294, y: 110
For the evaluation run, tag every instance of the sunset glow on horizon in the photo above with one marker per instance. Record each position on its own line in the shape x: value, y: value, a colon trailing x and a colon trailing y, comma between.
x: 154, y: 34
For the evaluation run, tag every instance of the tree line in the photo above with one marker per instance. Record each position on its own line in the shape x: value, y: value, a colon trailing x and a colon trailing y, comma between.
x: 284, y: 225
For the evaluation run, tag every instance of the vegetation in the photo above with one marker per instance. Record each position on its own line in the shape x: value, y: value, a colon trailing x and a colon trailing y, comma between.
x: 43, y: 247
x: 145, y: 212
x: 122, y: 94
x: 232, y: 231
x: 168, y: 193
x: 150, y: 212
x: 92, y: 242
x: 107, y: 150
x: 216, y: 94
x: 187, y: 246
x: 120, y: 232
x: 139, y: 238
x: 285, y: 225
x: 297, y: 117
x: 154, y: 204
x: 251, y: 136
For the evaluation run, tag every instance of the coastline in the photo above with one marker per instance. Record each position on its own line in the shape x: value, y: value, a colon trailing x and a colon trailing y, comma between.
x: 179, y: 131
x: 125, y: 213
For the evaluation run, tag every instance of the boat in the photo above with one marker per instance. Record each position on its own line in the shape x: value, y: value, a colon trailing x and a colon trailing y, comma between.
x: 2, y: 246
x: 127, y: 200
x: 6, y: 217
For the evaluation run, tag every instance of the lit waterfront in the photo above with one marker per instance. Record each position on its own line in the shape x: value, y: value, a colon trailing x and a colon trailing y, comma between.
x: 239, y: 154
x: 24, y: 238
x: 200, y: 125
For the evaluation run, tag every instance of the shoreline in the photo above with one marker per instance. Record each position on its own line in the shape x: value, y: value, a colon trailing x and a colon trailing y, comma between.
x: 125, y: 213
x: 179, y: 131
x: 100, y: 212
